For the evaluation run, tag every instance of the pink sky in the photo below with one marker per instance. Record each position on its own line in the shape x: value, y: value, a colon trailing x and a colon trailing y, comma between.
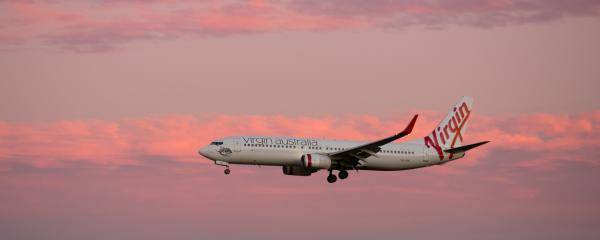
x: 106, y: 102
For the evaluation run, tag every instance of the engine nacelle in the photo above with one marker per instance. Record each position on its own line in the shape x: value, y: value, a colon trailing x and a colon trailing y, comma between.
x: 315, y: 161
x: 297, y: 171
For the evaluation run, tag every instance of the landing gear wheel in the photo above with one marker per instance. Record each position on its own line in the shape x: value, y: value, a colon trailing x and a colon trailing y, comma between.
x: 331, y: 178
x: 227, y: 171
x: 343, y: 174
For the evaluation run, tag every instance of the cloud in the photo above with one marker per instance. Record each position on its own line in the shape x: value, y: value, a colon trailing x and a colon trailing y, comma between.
x: 81, y: 178
x: 487, y: 13
x: 550, y: 139
x: 97, y: 26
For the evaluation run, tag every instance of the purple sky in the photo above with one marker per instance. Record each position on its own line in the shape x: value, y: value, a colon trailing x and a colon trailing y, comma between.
x: 106, y: 102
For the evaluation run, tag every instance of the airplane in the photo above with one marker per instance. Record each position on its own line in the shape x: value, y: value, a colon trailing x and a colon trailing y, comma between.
x: 305, y: 156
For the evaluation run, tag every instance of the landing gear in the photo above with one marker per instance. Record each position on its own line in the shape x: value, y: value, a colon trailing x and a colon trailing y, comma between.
x: 343, y: 174
x: 331, y: 178
x: 225, y: 164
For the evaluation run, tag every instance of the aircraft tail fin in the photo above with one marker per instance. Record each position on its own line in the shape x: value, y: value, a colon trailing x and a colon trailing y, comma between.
x: 450, y: 131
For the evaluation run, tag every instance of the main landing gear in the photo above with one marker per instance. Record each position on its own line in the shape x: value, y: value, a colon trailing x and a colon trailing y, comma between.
x: 331, y: 178
x: 343, y: 174
x: 227, y: 171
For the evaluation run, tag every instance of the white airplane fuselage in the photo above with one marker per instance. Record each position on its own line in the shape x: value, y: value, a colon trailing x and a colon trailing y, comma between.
x: 284, y: 151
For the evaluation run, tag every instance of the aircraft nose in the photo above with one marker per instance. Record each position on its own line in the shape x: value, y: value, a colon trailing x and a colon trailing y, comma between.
x: 203, y: 151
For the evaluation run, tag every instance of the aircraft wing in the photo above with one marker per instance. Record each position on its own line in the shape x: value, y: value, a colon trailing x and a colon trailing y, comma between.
x: 354, y: 156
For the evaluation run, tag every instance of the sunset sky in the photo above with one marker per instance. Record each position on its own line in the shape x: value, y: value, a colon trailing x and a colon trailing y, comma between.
x: 105, y: 104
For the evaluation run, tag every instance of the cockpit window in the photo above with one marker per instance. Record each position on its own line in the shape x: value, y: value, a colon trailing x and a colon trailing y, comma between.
x: 216, y: 143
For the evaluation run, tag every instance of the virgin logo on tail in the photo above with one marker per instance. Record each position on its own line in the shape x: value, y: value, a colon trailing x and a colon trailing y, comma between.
x: 449, y: 132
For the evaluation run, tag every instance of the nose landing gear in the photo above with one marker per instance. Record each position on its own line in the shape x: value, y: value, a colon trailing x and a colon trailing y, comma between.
x: 226, y: 164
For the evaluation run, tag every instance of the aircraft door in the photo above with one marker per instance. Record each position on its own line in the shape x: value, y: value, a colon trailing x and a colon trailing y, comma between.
x: 426, y: 155
x: 237, y: 146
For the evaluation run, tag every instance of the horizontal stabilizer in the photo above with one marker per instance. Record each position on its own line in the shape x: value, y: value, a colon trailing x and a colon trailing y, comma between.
x: 465, y: 148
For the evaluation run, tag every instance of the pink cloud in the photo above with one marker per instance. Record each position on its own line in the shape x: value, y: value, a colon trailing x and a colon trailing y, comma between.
x: 144, y: 175
x: 95, y: 26
x: 552, y: 138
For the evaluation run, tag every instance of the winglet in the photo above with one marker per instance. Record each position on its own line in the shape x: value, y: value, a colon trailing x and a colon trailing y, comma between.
x: 410, y: 126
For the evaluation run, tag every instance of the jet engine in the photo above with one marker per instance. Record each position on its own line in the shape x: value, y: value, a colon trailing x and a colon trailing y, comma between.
x: 297, y: 171
x: 315, y: 161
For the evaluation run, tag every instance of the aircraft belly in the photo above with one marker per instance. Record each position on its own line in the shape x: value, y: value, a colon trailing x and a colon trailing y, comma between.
x: 387, y: 163
x: 267, y: 158
x: 289, y: 158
